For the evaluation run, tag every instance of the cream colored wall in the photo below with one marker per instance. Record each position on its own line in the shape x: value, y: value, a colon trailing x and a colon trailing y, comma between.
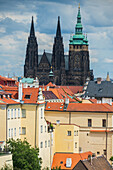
x: 63, y: 142
x: 94, y: 141
x: 6, y: 159
x: 13, y: 123
x: 2, y: 123
x: 29, y: 124
x: 44, y: 152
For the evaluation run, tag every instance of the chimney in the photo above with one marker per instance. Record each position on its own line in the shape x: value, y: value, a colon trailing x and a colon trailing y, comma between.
x: 99, y: 79
x: 20, y: 90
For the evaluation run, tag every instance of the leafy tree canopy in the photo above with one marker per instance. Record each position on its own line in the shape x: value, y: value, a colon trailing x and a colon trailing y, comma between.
x: 24, y: 156
x: 57, y: 168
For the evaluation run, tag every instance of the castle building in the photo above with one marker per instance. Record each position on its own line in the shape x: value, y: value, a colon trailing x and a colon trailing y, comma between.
x: 72, y: 69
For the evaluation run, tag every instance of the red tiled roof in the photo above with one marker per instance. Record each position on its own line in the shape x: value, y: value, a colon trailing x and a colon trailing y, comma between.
x: 76, y: 89
x: 50, y: 85
x: 49, y: 95
x: 81, y: 107
x: 89, y: 107
x: 99, y: 130
x: 6, y: 79
x: 33, y: 92
x: 61, y: 157
x: 55, y: 106
x: 8, y: 101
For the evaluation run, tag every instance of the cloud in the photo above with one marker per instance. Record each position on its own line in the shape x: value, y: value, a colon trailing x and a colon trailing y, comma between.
x: 94, y: 60
x: 108, y: 60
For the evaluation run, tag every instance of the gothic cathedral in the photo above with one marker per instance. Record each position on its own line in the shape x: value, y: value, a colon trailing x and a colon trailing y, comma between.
x: 58, y: 68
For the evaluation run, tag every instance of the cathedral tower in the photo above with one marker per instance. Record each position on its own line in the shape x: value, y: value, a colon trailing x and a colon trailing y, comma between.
x: 78, y: 55
x: 31, y: 61
x: 58, y: 61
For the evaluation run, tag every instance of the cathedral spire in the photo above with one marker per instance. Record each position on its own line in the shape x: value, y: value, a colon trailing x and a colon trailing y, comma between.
x: 58, y: 32
x: 78, y: 28
x: 32, y: 31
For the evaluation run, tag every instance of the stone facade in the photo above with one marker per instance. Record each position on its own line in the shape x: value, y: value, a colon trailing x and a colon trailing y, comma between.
x: 71, y: 71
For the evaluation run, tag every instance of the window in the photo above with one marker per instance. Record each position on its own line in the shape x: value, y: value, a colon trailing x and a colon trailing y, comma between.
x: 45, y: 128
x: 41, y: 113
x: 9, y: 133
x: 18, y: 113
x: 89, y: 123
x: 19, y: 130
x: 74, y: 133
x: 41, y: 129
x: 58, y: 121
x: 8, y: 114
x: 48, y: 143
x: 75, y: 144
x: 27, y: 96
x: 104, y: 151
x: 77, y: 132
x: 68, y: 133
x: 41, y: 144
x: 103, y: 122
x: 23, y: 113
x: 11, y: 113
x: 45, y: 144
x: 14, y: 131
x: 15, y: 113
x: 23, y: 131
x: 98, y: 153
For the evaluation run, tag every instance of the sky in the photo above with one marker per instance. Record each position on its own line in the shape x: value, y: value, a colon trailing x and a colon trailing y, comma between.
x: 15, y: 22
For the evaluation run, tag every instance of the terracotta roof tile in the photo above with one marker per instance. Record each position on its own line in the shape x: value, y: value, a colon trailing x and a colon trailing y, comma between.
x: 55, y: 106
x: 59, y: 159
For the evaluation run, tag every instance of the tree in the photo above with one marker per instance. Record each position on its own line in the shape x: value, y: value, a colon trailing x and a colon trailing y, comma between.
x: 24, y: 156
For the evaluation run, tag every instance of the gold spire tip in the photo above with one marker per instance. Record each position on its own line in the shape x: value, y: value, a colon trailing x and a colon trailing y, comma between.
x: 51, y: 67
x: 79, y: 6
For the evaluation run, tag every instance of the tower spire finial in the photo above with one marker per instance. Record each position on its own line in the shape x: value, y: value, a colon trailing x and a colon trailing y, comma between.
x: 58, y: 32
x: 32, y: 31
x: 79, y: 6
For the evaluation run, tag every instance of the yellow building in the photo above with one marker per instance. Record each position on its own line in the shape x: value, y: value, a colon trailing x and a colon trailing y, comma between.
x: 95, y: 121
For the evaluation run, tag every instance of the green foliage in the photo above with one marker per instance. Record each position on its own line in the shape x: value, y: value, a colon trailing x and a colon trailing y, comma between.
x: 45, y: 168
x: 24, y: 156
x: 57, y: 168
x: 6, y: 167
x: 111, y: 159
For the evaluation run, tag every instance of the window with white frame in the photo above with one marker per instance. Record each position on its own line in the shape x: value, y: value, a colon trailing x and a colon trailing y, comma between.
x: 45, y: 144
x: 48, y: 143
x: 14, y: 131
x: 75, y: 133
x: 75, y: 144
x: 41, y: 113
x: 15, y: 114
x: 45, y: 128
x: 41, y: 144
x: 23, y: 113
x: 8, y: 114
x: 11, y: 113
x: 19, y: 130
x: 11, y: 132
x: 23, y: 130
x: 18, y: 113
x: 41, y: 129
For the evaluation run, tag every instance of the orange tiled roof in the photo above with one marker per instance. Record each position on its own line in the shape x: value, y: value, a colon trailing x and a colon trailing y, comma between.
x: 61, y: 157
x: 55, y: 106
x: 8, y: 101
x: 6, y: 79
x: 89, y: 107
x: 76, y: 89
x: 99, y: 130
x: 50, y: 85
x: 33, y: 92
x: 81, y: 107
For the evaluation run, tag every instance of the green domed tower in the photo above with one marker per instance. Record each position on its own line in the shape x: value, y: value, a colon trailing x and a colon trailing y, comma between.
x: 79, y: 68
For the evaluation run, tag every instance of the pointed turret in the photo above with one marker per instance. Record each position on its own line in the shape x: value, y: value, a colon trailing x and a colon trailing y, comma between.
x: 31, y: 60
x: 78, y: 28
x: 32, y: 31
x: 58, y: 32
x: 107, y: 79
